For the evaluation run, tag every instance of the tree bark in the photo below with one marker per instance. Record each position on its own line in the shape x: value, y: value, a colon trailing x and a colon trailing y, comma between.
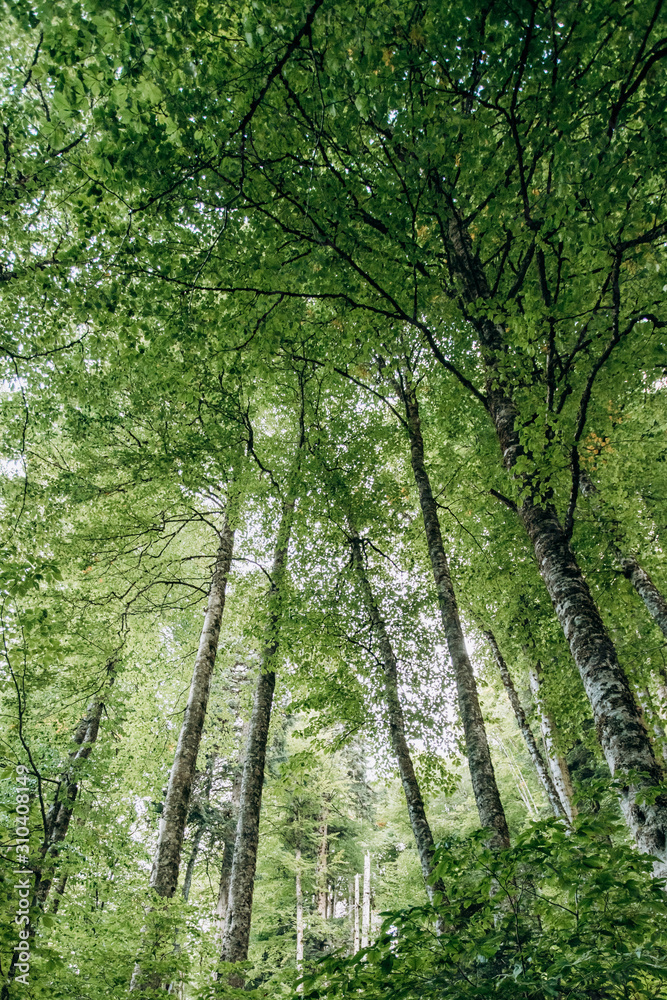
x: 299, y: 917
x: 356, y: 941
x: 487, y: 797
x: 58, y: 819
x: 557, y: 763
x: 60, y: 814
x: 538, y: 760
x: 651, y: 717
x: 164, y: 876
x: 366, y: 914
x: 416, y: 811
x: 654, y: 601
x: 322, y: 858
x: 618, y: 720
x: 236, y: 933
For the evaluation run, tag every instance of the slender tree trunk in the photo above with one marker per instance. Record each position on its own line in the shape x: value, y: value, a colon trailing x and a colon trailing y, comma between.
x: 236, y: 933
x: 416, y: 811
x: 164, y: 875
x: 366, y: 915
x: 651, y: 718
x: 60, y: 814
x: 356, y: 944
x: 231, y: 821
x: 618, y: 720
x: 58, y: 819
x: 190, y: 868
x: 487, y: 797
x: 557, y: 763
x: 538, y: 760
x: 299, y: 917
x: 653, y: 599
x: 322, y: 859
x: 59, y: 893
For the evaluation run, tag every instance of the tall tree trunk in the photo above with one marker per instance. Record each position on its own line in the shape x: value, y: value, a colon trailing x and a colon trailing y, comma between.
x: 231, y: 820
x: 356, y: 941
x: 322, y: 863
x: 164, y: 876
x: 190, y: 867
x: 621, y: 731
x: 366, y: 914
x: 416, y: 811
x: 651, y: 717
x: 60, y: 814
x: 59, y: 893
x: 487, y: 797
x: 203, y: 800
x: 236, y: 933
x: 557, y: 763
x: 653, y: 599
x: 299, y: 917
x: 538, y: 760
x: 58, y: 819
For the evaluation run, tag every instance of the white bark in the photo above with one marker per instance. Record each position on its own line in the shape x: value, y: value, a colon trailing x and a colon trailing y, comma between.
x: 366, y: 915
x: 560, y: 772
x: 357, y: 941
x: 299, y: 918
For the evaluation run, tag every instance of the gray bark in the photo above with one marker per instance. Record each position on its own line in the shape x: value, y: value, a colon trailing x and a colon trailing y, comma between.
x: 653, y: 599
x: 58, y: 819
x: 366, y: 912
x: 655, y: 603
x: 413, y: 797
x: 228, y: 844
x: 651, y: 717
x: 538, y: 760
x: 60, y: 814
x: 487, y: 797
x: 356, y: 940
x: 164, y: 876
x: 557, y: 763
x: 322, y: 864
x: 620, y: 728
x: 236, y: 933
x: 299, y: 915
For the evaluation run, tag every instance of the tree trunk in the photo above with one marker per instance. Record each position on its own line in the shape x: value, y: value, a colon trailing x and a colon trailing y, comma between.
x: 58, y: 819
x: 538, y: 760
x: 651, y: 717
x: 190, y: 868
x: 559, y: 768
x: 487, y: 797
x: 653, y: 599
x: 164, y: 876
x: 322, y: 858
x: 655, y: 603
x: 59, y: 893
x: 59, y: 815
x: 416, y: 811
x: 236, y: 933
x: 231, y: 821
x: 356, y: 939
x: 366, y: 915
x: 299, y: 916
x: 618, y: 720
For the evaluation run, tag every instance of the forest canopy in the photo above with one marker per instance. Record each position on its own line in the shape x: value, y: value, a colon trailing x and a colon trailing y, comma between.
x: 333, y: 493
